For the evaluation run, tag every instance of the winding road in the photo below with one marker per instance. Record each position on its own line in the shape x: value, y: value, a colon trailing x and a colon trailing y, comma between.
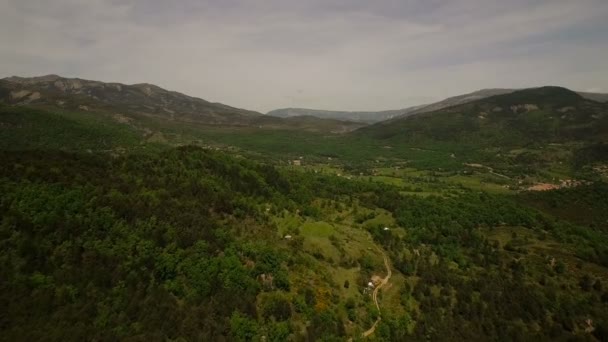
x: 383, y: 282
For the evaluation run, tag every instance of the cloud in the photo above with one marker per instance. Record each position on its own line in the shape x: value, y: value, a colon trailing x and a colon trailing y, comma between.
x: 356, y: 55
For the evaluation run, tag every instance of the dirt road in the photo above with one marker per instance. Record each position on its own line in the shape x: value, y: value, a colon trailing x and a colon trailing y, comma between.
x: 383, y: 282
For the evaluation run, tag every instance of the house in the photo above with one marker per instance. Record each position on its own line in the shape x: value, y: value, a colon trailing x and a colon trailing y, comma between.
x: 297, y: 162
x: 370, y: 285
x: 287, y: 237
x: 386, y: 228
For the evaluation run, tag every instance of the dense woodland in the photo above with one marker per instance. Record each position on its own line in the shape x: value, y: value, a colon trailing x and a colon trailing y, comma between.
x: 173, y: 245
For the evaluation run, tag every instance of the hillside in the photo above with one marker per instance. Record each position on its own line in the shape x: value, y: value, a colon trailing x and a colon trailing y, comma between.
x: 140, y: 102
x: 540, y: 115
x: 148, y: 99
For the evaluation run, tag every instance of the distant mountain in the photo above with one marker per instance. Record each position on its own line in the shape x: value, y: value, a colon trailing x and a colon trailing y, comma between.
x: 373, y: 117
x: 529, y: 116
x: 460, y: 99
x: 594, y: 96
x: 143, y: 100
x: 364, y: 117
x: 148, y: 99
x: 485, y: 93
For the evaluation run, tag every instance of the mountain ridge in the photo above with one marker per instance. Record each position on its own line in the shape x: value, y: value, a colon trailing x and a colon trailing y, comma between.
x: 144, y: 100
x: 531, y: 114
x: 378, y: 116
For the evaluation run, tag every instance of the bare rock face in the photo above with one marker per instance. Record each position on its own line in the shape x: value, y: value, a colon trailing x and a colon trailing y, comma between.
x: 566, y: 109
x: 65, y: 85
x: 19, y: 94
x: 35, y: 96
x: 147, y: 91
x: 24, y: 95
x: 531, y: 107
x: 121, y: 118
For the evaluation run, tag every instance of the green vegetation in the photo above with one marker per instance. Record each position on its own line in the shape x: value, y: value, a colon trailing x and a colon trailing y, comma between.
x: 136, y: 228
x: 27, y: 128
x: 140, y: 245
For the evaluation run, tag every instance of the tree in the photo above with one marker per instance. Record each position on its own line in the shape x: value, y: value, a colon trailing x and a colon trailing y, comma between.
x: 242, y: 328
x: 275, y: 305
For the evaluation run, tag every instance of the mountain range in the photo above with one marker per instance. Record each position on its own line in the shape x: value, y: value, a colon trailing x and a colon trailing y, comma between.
x: 145, y: 100
x: 373, y: 117
x: 100, y: 113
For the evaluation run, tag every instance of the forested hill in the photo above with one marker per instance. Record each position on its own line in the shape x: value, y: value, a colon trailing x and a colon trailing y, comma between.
x: 148, y: 248
x: 530, y: 116
x: 189, y: 244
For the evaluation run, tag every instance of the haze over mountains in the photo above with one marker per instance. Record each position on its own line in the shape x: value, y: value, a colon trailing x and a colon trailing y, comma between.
x: 365, y: 117
x: 95, y: 114
x: 137, y: 98
x: 372, y: 117
x: 152, y: 101
x: 145, y: 100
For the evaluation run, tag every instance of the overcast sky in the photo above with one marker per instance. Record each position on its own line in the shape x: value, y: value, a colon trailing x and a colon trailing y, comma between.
x: 325, y: 54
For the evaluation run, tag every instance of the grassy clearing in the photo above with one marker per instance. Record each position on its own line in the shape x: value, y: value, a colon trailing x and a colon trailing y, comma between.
x: 317, y: 229
x: 341, y: 275
x: 382, y: 218
x: 477, y: 182
x: 287, y: 223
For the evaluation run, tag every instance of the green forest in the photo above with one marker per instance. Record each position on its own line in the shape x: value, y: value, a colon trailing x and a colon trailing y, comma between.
x: 187, y: 244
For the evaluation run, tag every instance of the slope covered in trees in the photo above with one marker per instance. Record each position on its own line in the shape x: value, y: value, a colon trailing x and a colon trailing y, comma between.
x: 180, y: 244
x: 530, y: 116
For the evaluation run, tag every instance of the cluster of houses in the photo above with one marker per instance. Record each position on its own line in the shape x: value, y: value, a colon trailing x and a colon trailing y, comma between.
x: 296, y: 162
x: 563, y: 183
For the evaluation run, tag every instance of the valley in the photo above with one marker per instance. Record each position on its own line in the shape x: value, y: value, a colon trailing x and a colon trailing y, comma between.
x: 159, y: 216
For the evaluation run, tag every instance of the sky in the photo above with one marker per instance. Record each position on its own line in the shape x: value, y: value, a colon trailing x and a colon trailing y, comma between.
x: 324, y: 54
